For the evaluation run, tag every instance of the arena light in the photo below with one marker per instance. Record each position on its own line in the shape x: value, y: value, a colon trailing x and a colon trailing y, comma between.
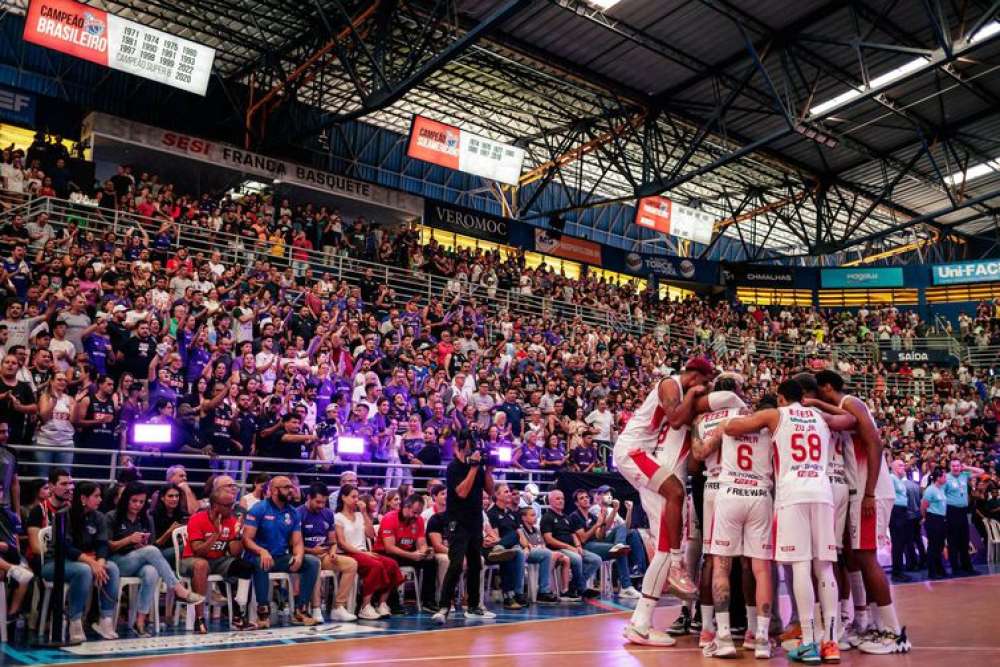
x: 350, y: 445
x: 974, y: 172
x: 987, y: 31
x: 603, y: 5
x: 152, y: 434
x: 505, y: 454
x: 877, y: 82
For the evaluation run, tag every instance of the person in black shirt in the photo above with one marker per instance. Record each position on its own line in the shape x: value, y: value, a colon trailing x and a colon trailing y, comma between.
x: 137, y: 352
x: 466, y: 480
x: 560, y: 535
x: 17, y: 400
x: 506, y: 520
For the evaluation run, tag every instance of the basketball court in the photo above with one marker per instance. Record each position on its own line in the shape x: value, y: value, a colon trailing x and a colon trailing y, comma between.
x: 949, y: 622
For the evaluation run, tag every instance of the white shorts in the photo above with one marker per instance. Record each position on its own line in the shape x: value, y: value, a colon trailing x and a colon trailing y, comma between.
x: 870, y: 533
x: 804, y: 531
x: 743, y: 525
x: 841, y: 500
x: 708, y: 515
x: 646, y: 470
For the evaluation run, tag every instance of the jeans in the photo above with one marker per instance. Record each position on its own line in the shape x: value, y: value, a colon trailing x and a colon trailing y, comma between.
x: 308, y: 572
x: 47, y: 459
x: 543, y: 558
x: 583, y: 567
x: 79, y: 582
x: 148, y: 564
x: 464, y: 546
x: 616, y: 536
x: 637, y: 557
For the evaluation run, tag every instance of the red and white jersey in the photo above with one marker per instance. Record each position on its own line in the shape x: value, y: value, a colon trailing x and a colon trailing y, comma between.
x: 801, y: 446
x: 746, y: 464
x: 856, y: 461
x: 707, y: 423
x: 840, y: 468
x: 648, y: 428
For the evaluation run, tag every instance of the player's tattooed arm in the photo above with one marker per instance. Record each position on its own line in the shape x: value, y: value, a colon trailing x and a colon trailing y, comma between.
x: 701, y: 449
x: 677, y: 412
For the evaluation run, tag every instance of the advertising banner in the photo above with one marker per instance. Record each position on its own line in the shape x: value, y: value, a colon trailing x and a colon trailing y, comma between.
x: 987, y: 271
x: 932, y: 356
x: 762, y: 276
x: 17, y: 107
x: 452, y: 147
x: 225, y: 155
x: 92, y: 34
x: 466, y: 221
x: 568, y: 247
x: 672, y: 268
x: 667, y: 217
x: 862, y: 277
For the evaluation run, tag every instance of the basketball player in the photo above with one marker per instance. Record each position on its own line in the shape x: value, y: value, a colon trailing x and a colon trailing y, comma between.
x: 870, y: 507
x: 741, y: 526
x: 651, y: 453
x: 803, y: 508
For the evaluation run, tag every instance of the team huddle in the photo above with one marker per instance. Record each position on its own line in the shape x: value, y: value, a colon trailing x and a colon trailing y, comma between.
x: 800, y: 483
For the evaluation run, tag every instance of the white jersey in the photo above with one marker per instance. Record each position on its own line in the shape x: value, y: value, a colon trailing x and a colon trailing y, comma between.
x: 801, y: 454
x: 840, y: 468
x: 856, y: 461
x: 746, y: 464
x: 648, y: 429
x: 707, y: 423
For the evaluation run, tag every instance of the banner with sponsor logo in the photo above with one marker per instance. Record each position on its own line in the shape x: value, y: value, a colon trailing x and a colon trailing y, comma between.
x: 862, y: 277
x: 92, y: 34
x: 926, y: 356
x: 466, y: 221
x: 230, y: 157
x: 663, y: 215
x: 455, y: 148
x: 672, y: 268
x: 987, y: 271
x: 750, y: 275
x: 568, y: 247
x: 17, y: 106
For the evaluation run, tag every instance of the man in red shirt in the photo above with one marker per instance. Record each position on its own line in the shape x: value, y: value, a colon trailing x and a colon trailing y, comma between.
x: 214, y: 546
x: 401, y: 537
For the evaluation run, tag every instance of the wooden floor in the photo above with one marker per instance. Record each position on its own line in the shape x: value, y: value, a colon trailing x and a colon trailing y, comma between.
x: 950, y: 623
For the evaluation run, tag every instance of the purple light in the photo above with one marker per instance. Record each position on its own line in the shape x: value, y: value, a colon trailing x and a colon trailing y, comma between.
x: 350, y: 445
x: 505, y: 454
x: 152, y: 434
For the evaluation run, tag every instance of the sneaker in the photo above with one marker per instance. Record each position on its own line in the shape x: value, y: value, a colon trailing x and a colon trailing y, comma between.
x: 76, y: 633
x: 648, y: 637
x: 264, y: 616
x: 300, y: 617
x: 383, y: 610
x: 762, y: 651
x: 629, y: 593
x: 591, y: 594
x: 546, y: 598
x: 791, y: 637
x: 619, y: 550
x: 105, y: 628
x: 680, y: 583
x: 499, y: 554
x: 705, y: 638
x: 512, y: 604
x: 368, y: 613
x: 570, y: 596
x: 480, y: 612
x: 807, y: 653
x: 887, y: 642
x: 720, y: 647
x: 682, y: 626
x: 429, y: 608
x: 341, y: 614
x: 851, y: 637
x: 696, y: 620
x: 749, y: 640
x: 241, y: 623
x: 829, y: 652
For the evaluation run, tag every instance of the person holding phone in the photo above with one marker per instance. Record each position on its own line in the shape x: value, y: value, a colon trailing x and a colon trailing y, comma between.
x: 135, y: 556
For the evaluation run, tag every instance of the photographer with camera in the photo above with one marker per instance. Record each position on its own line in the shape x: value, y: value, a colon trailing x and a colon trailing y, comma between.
x: 467, y: 477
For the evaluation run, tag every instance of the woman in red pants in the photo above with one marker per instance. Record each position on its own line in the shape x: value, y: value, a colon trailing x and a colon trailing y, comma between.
x: 379, y: 574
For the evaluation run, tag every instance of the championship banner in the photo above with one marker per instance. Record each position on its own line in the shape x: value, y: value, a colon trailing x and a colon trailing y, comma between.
x: 568, y: 247
x: 452, y: 147
x: 92, y: 34
x: 225, y: 155
x: 663, y: 215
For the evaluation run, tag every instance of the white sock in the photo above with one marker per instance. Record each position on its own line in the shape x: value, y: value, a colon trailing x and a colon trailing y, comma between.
x: 847, y: 610
x: 707, y: 618
x: 676, y: 557
x: 752, y: 619
x: 722, y: 623
x: 887, y: 618
x: 828, y: 595
x: 805, y: 598
x: 652, y: 587
x: 242, y: 592
x: 873, y: 614
x: 761, y: 633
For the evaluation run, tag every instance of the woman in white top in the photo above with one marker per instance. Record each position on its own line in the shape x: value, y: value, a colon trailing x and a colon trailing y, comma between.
x: 55, y: 408
x: 379, y: 574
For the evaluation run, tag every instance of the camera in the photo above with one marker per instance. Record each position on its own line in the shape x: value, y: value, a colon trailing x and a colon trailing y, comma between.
x: 490, y: 455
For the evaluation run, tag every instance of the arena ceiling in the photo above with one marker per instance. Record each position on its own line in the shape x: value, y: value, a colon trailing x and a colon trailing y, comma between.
x: 804, y: 127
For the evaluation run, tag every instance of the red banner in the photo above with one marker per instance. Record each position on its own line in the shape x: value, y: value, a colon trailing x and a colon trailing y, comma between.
x: 654, y: 213
x: 568, y: 247
x: 434, y: 142
x: 69, y: 27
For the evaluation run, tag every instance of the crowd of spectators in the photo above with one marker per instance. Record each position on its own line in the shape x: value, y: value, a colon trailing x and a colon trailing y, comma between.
x: 268, y: 356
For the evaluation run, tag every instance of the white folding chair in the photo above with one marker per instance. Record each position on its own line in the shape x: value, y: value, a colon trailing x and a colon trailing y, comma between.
x: 133, y: 584
x: 45, y: 536
x: 531, y: 581
x: 607, y: 585
x: 3, y: 610
x: 179, y: 538
x: 410, y: 575
x: 993, y: 537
